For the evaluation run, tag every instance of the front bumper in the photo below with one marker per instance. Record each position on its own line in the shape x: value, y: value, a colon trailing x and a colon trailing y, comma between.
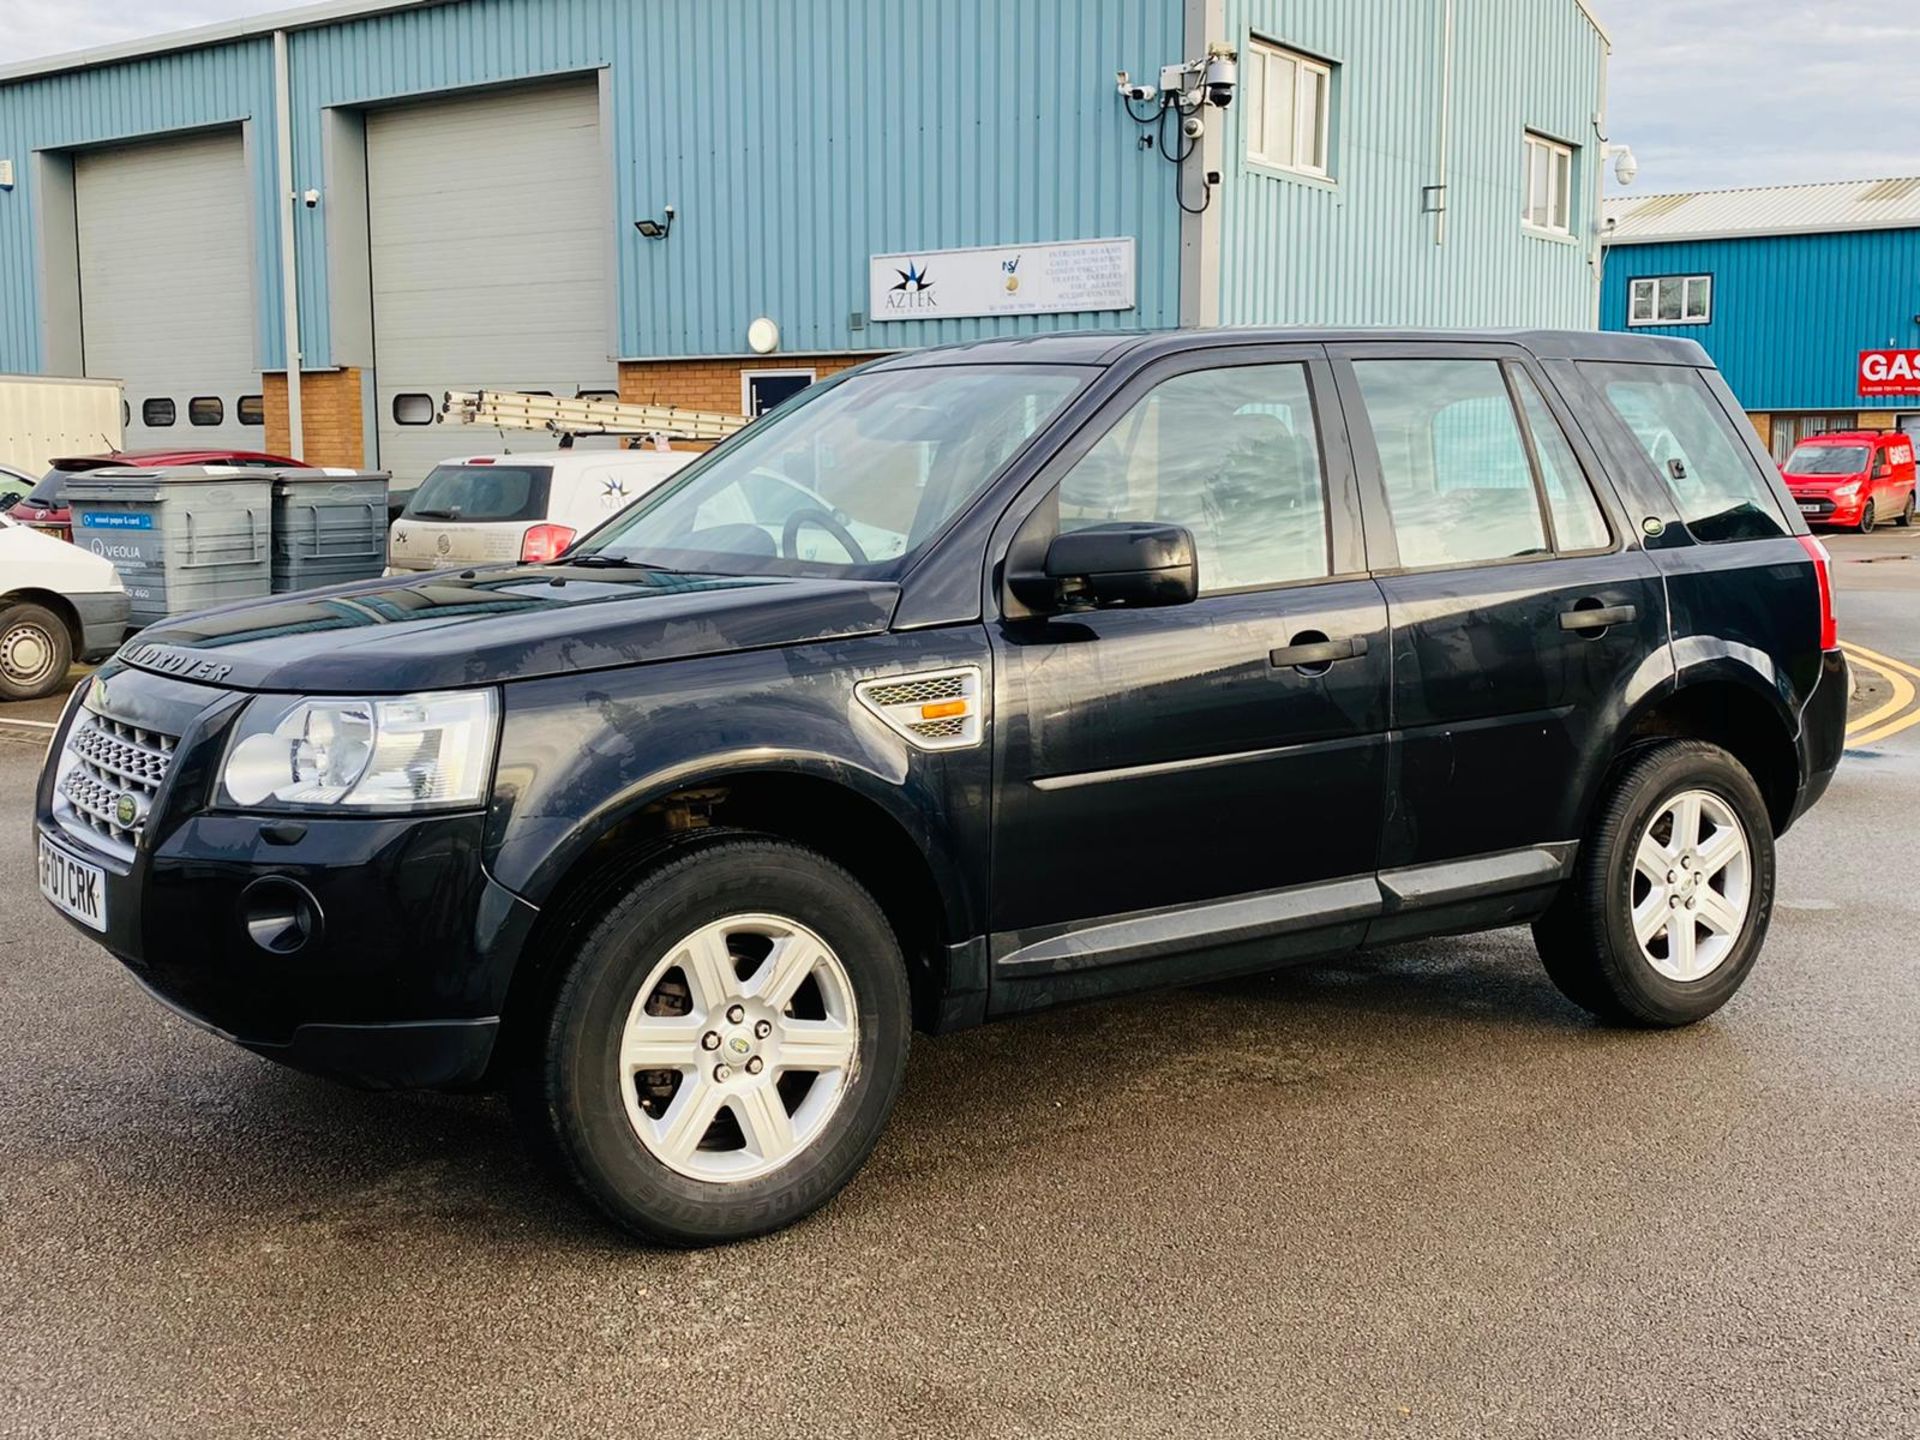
x: 372, y: 949
x: 1825, y: 510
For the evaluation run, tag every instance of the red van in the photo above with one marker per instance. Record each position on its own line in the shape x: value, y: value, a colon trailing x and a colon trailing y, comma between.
x: 1854, y: 479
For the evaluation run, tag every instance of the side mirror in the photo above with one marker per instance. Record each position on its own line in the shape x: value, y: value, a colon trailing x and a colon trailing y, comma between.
x: 1131, y: 563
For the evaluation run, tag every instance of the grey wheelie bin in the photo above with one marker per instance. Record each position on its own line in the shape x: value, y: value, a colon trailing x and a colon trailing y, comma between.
x: 182, y: 539
x: 329, y: 526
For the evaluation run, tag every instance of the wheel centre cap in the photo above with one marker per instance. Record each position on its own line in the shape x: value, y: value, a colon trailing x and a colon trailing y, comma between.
x: 739, y: 1046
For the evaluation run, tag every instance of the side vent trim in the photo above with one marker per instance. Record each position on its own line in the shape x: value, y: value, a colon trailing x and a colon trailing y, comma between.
x: 930, y: 709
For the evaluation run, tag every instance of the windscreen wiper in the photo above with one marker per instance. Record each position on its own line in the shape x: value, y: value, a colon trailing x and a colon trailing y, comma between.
x: 600, y: 559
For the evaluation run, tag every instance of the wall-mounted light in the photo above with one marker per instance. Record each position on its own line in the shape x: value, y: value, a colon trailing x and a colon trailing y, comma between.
x: 656, y: 229
x: 763, y: 336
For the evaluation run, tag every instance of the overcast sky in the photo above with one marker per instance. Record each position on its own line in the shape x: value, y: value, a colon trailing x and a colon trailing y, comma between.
x: 1710, y: 93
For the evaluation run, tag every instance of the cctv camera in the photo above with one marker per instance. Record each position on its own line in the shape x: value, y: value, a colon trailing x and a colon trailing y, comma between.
x: 1625, y: 167
x: 312, y: 197
x: 1222, y: 74
x: 1193, y: 127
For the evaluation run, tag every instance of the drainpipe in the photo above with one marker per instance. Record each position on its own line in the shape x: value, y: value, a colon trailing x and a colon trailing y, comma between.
x: 289, y: 271
x: 1444, y: 142
x: 1598, y: 259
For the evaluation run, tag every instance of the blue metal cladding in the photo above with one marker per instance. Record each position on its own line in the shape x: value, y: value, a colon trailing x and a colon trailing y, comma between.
x: 183, y: 90
x: 798, y: 137
x: 795, y: 139
x: 1790, y: 313
x: 1357, y: 249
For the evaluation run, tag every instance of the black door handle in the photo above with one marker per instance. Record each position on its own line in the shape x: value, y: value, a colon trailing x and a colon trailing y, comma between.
x: 1317, y: 652
x: 1598, y: 617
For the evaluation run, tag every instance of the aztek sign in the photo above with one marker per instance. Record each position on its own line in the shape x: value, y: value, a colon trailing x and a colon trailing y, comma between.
x: 1890, y: 372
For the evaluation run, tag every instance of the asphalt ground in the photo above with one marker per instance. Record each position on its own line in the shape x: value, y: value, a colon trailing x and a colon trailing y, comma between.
x: 1416, y: 1194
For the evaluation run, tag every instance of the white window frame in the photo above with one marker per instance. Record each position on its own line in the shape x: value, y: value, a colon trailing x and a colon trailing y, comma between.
x: 1268, y: 54
x: 1559, y: 195
x: 747, y: 377
x: 1691, y: 286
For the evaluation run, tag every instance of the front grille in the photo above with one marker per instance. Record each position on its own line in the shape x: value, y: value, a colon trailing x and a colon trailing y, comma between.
x: 109, y: 774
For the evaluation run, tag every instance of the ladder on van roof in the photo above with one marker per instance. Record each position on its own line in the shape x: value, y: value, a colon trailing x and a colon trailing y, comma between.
x: 511, y: 410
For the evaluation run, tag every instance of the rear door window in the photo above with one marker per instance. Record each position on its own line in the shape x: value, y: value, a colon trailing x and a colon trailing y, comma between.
x: 1685, y: 434
x: 482, y: 493
x: 1452, y: 455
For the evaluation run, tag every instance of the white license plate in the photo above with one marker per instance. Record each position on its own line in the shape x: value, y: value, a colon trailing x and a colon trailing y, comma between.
x: 1806, y: 509
x: 73, y: 886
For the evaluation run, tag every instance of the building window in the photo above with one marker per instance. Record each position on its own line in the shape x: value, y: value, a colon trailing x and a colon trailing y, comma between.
x: 251, y: 410
x: 1549, y: 192
x: 156, y: 414
x: 413, y: 408
x: 1670, y: 300
x: 1287, y: 120
x: 206, y: 410
x: 763, y: 390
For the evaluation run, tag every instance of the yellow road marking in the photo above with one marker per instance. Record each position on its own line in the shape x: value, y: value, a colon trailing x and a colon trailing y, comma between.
x: 1903, y: 694
x: 1875, y: 726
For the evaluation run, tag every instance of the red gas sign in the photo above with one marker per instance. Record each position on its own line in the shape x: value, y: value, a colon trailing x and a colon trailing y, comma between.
x: 1890, y: 372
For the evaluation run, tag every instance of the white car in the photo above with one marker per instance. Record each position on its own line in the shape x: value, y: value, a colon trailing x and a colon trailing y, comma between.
x: 495, y: 509
x: 56, y: 601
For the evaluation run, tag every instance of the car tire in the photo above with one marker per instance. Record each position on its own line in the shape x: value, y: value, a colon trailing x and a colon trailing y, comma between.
x: 36, y: 651
x: 1905, y: 519
x: 584, y: 1091
x: 1867, y: 518
x: 1595, y: 941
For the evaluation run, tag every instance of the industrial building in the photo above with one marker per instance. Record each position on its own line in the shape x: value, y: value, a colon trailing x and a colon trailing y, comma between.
x: 714, y: 202
x: 1806, y: 296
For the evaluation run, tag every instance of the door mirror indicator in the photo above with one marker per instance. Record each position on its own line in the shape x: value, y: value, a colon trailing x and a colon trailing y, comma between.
x: 1123, y: 563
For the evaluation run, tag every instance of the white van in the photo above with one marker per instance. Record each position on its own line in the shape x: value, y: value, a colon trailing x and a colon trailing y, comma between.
x: 493, y: 509
x: 57, y: 601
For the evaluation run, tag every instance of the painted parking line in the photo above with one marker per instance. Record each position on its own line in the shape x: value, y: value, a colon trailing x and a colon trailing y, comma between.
x: 29, y: 724
x: 1897, y: 714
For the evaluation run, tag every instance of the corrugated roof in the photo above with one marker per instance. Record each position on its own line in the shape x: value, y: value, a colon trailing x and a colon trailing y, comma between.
x: 1770, y: 210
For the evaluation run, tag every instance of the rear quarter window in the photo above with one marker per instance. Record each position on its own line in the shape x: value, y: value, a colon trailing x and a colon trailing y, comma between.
x: 482, y: 493
x: 1681, y: 429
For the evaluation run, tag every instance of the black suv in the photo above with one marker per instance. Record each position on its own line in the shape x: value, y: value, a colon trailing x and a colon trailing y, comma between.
x: 977, y: 681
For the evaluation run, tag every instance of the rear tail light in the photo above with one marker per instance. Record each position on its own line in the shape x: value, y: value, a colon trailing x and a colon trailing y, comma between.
x: 1823, y: 572
x: 544, y: 542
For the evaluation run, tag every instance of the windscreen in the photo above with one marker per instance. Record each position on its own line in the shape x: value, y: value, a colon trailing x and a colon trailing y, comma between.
x: 1827, y: 460
x: 847, y: 481
x: 481, y: 493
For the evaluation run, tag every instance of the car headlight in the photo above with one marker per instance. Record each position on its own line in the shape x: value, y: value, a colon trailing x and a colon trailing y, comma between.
x: 1847, y: 491
x: 404, y: 752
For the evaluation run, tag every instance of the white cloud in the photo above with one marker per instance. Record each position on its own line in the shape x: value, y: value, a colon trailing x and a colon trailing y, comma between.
x: 1719, y: 93
x: 33, y: 28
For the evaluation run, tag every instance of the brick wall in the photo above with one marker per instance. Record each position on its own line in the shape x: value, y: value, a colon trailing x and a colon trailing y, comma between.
x: 330, y: 417
x: 714, y: 384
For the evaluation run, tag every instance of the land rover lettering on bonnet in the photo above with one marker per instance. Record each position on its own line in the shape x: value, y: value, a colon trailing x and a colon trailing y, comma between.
x: 177, y: 662
x: 971, y: 682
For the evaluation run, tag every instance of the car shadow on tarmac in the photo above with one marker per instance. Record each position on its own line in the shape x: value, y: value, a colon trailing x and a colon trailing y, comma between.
x: 236, y: 1139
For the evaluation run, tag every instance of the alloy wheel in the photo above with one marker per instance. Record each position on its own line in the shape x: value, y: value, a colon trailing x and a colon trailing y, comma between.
x: 739, y: 1047
x: 1692, y: 886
